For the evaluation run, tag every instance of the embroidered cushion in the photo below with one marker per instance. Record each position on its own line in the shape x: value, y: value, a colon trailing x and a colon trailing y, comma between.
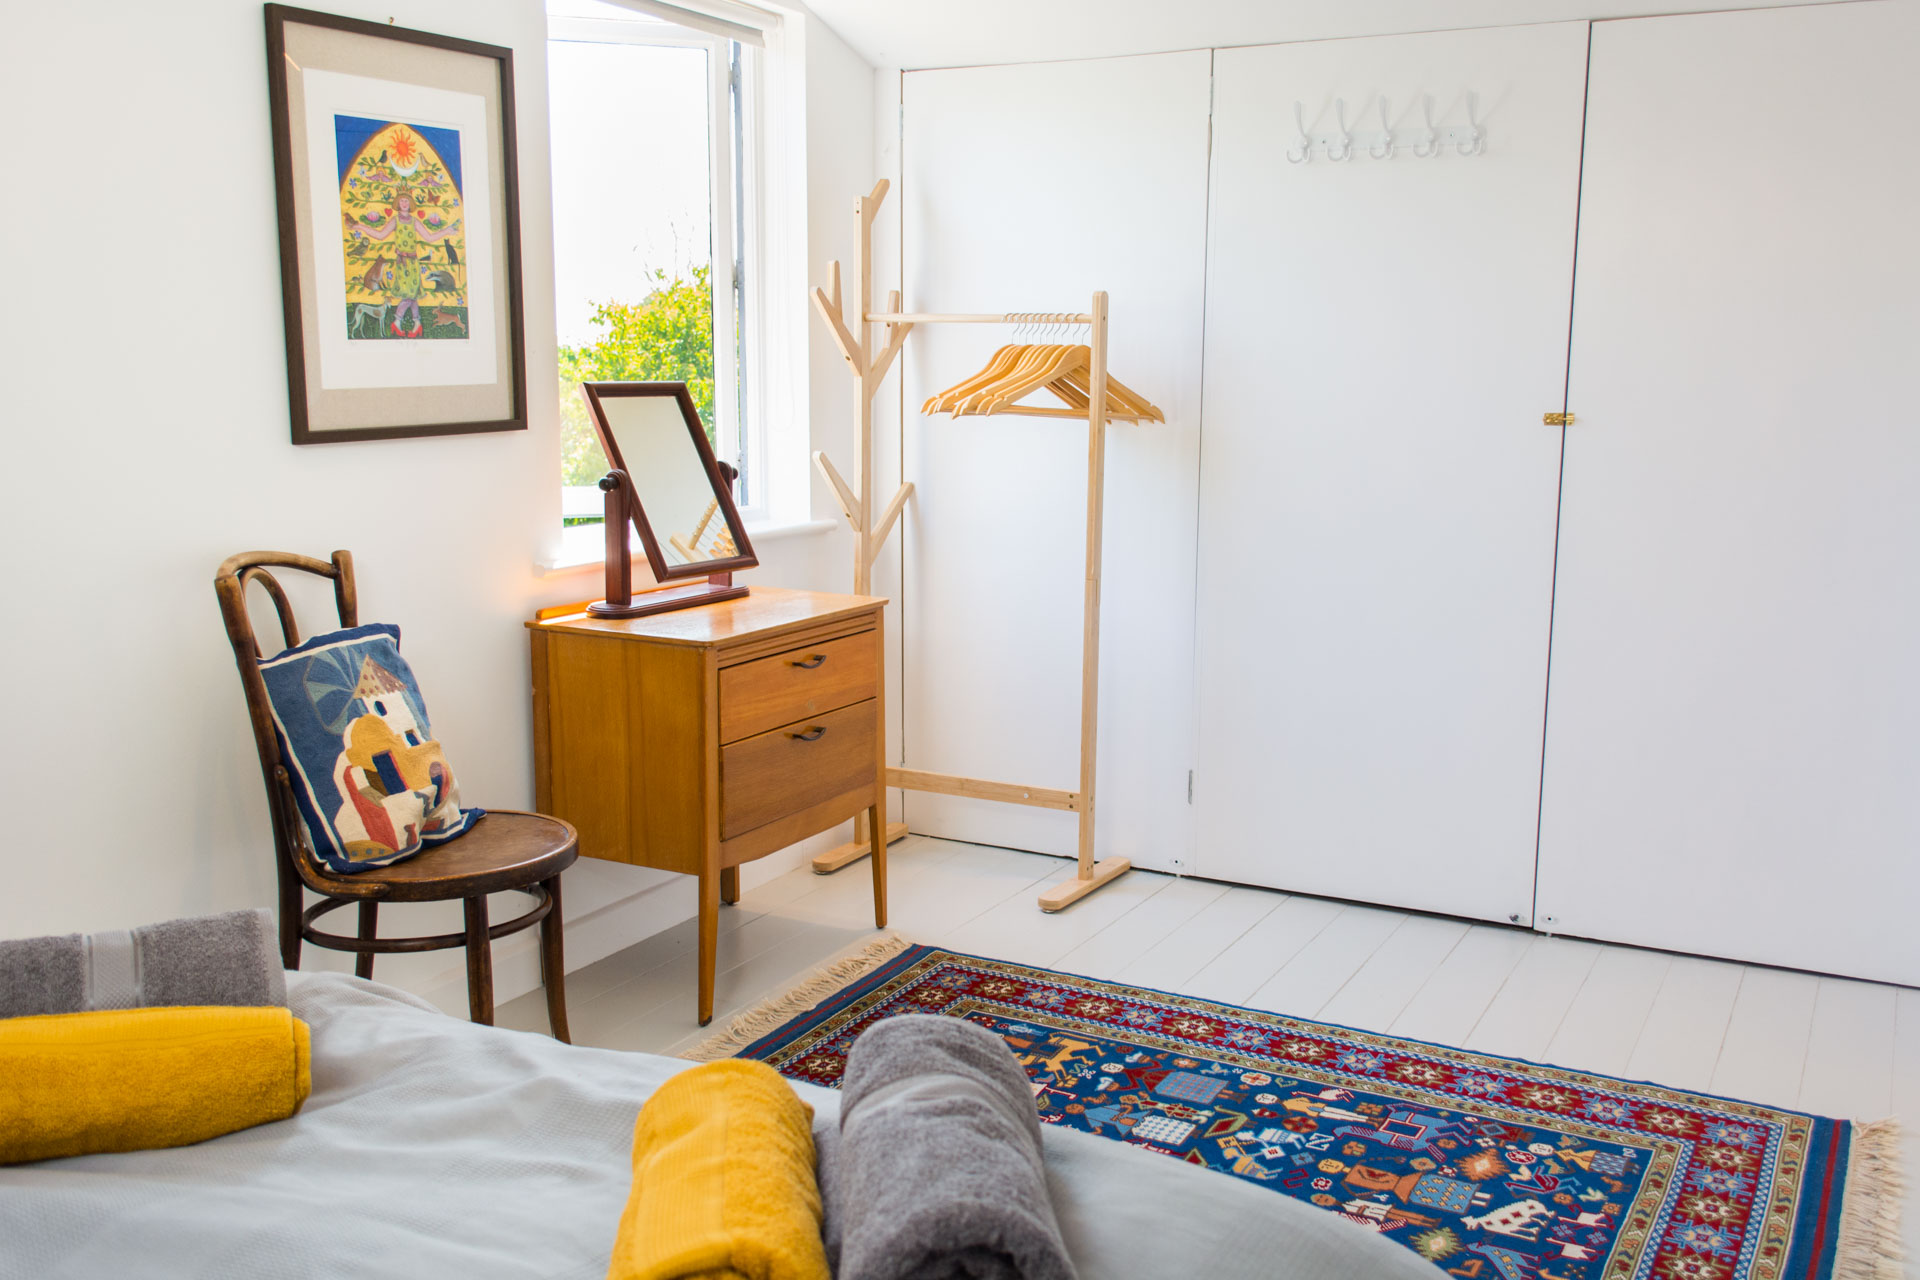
x: 371, y: 782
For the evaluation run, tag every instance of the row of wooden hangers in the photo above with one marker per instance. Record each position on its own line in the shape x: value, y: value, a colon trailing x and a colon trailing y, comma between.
x: 1020, y: 369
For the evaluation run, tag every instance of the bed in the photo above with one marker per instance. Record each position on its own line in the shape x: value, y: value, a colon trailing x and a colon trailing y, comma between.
x: 435, y: 1147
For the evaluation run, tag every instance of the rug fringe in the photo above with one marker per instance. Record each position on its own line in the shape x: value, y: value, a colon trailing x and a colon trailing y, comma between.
x: 815, y: 986
x: 1870, y: 1246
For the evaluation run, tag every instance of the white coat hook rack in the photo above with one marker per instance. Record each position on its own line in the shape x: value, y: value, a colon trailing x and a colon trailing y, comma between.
x: 1382, y: 148
x: 1339, y: 144
x: 1429, y: 143
x: 1475, y: 141
x: 1304, y: 152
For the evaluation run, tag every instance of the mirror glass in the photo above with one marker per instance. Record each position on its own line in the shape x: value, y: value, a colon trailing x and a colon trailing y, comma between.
x: 686, y: 517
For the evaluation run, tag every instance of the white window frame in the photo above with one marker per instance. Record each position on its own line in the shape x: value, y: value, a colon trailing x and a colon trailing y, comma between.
x: 739, y: 422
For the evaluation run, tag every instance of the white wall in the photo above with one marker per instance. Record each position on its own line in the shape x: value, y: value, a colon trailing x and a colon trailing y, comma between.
x: 144, y: 394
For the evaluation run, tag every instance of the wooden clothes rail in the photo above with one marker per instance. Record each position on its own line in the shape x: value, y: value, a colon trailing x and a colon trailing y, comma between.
x: 869, y: 362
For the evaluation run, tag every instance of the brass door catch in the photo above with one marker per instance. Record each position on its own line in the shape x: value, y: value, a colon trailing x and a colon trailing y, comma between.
x: 1557, y: 419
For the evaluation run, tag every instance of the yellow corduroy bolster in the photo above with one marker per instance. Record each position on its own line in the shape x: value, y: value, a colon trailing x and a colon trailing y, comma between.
x: 723, y: 1181
x: 76, y: 1084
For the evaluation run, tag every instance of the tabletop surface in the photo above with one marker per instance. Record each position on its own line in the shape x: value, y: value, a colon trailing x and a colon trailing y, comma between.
x: 763, y: 609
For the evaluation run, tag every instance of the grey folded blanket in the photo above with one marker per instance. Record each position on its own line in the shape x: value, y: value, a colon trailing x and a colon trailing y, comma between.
x: 937, y: 1174
x: 228, y: 959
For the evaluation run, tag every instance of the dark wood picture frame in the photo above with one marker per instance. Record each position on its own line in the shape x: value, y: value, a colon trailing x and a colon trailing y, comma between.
x: 295, y: 287
x: 594, y: 392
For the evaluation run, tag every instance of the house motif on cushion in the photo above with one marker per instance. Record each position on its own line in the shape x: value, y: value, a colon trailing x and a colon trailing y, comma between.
x: 395, y: 783
x: 383, y: 694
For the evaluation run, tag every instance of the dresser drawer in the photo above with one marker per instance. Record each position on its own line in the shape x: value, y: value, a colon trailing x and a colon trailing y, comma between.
x: 771, y: 775
x: 810, y: 681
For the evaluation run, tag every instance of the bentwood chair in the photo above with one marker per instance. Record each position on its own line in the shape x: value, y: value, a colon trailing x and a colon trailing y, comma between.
x: 506, y: 850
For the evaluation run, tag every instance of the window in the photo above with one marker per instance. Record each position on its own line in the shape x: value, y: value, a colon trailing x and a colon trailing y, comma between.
x: 652, y: 248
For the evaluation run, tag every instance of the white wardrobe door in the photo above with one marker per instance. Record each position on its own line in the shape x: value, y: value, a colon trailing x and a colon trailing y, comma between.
x: 1026, y: 188
x: 1377, y: 489
x: 1733, y: 745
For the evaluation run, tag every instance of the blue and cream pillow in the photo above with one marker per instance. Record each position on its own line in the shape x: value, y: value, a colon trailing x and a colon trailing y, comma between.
x: 371, y: 782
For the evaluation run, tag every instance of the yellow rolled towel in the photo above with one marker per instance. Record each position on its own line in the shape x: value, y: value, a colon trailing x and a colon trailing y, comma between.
x: 723, y: 1181
x: 75, y: 1084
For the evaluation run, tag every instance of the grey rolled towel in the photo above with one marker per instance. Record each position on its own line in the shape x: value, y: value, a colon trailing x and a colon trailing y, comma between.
x: 228, y: 959
x: 938, y: 1173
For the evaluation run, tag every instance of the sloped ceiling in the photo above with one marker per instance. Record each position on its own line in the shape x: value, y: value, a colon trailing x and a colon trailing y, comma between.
x: 957, y: 33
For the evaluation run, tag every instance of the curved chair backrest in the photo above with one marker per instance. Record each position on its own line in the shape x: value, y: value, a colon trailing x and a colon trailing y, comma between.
x: 230, y: 583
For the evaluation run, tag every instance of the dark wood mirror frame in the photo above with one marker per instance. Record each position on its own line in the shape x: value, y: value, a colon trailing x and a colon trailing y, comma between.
x: 623, y: 505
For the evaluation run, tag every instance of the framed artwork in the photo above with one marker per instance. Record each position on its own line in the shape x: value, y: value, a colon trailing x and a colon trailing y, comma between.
x: 397, y: 179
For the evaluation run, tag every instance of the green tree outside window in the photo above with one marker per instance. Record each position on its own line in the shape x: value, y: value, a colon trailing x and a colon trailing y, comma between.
x: 665, y: 337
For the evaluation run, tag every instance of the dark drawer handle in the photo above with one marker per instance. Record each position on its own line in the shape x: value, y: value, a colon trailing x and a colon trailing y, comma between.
x: 812, y: 662
x: 810, y: 735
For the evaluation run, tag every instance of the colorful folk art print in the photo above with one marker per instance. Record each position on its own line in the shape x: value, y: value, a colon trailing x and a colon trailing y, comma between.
x: 402, y: 231
x: 372, y: 784
x: 1490, y: 1168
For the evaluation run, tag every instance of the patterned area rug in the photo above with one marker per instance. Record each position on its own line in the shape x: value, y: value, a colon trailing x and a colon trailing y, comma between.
x: 1491, y: 1168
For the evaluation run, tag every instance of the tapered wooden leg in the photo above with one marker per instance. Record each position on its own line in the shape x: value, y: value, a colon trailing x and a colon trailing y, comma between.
x: 369, y: 929
x: 730, y: 885
x: 479, y: 962
x: 553, y: 965
x: 709, y: 939
x: 877, y: 841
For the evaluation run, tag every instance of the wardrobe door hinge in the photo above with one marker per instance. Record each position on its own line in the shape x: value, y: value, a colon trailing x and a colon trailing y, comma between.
x: 1556, y: 419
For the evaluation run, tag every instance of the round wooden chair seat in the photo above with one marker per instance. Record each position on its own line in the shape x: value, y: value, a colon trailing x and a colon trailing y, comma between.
x: 507, y: 849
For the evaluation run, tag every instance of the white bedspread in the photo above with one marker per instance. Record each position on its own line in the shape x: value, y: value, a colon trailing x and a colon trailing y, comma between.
x: 432, y: 1147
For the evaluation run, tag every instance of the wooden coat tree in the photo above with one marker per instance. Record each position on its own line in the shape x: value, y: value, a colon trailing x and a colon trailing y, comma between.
x: 870, y: 357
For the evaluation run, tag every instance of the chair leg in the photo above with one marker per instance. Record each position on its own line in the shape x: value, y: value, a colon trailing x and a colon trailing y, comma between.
x: 479, y: 962
x: 291, y: 903
x: 553, y: 965
x: 369, y: 929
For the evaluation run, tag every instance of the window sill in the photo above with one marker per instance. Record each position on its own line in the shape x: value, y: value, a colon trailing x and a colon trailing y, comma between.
x: 583, y: 547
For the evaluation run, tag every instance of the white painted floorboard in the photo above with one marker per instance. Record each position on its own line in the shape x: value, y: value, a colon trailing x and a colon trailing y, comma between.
x: 1826, y: 1045
x: 1527, y: 1012
x: 1603, y: 1023
x: 1765, y: 1052
x: 1455, y: 995
x: 1304, y: 985
x: 1380, y: 990
x: 1681, y: 1038
x: 1248, y: 961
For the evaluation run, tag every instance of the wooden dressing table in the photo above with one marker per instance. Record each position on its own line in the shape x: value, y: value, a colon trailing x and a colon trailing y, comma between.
x: 697, y: 740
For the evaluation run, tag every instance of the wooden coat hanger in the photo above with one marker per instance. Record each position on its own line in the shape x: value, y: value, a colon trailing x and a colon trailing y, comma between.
x: 1034, y: 369
x: 1122, y: 401
x: 1058, y: 362
x: 1002, y: 362
x: 1017, y: 370
x: 1025, y: 356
